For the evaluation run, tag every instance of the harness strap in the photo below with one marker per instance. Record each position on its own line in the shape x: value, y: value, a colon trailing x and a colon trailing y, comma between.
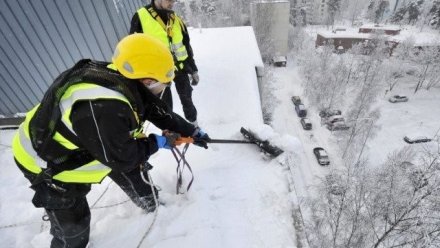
x: 71, y: 162
x: 167, y: 27
x: 181, y: 162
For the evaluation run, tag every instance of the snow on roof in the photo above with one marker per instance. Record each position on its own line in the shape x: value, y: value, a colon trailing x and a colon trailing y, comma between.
x: 233, y: 54
x: 421, y: 38
x: 380, y: 27
x: 346, y: 35
x: 270, y: 1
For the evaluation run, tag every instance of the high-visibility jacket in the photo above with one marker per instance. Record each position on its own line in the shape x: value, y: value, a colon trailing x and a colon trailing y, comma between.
x: 63, y: 132
x: 91, y: 172
x: 168, y: 33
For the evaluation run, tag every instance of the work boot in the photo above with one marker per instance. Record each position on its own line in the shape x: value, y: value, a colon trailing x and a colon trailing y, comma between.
x: 147, y: 203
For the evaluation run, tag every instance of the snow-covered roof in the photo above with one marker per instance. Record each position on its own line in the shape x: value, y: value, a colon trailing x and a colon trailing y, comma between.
x: 269, y: 1
x: 380, y: 27
x: 421, y: 38
x: 425, y: 37
x: 349, y: 34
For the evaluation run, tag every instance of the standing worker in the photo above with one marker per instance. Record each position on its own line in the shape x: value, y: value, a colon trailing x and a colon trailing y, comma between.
x: 89, y: 126
x: 159, y: 20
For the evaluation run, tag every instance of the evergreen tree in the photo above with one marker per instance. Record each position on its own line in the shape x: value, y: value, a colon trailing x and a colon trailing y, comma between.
x: 414, y: 11
x: 399, y: 15
x: 435, y: 14
x: 333, y: 7
x: 382, y: 7
x: 376, y: 9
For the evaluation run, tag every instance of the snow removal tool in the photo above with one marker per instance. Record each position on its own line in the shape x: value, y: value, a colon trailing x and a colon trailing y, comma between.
x: 250, y: 138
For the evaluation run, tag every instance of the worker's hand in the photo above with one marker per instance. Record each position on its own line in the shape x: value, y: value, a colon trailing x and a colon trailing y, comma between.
x: 195, y: 79
x: 201, y: 138
x: 167, y: 140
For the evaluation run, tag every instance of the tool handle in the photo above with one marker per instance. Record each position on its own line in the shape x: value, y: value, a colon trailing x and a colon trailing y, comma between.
x: 184, y: 140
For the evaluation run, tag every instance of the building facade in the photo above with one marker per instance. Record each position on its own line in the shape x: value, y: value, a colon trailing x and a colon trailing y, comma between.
x: 39, y: 39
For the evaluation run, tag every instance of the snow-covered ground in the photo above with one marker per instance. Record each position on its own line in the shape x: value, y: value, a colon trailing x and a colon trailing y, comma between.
x: 239, y: 198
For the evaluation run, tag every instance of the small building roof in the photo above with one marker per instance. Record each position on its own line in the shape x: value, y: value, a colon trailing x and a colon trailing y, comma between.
x: 381, y: 27
x: 345, y: 34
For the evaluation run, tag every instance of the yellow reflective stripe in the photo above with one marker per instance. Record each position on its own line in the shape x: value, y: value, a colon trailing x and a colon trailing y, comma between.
x: 82, y: 176
x: 112, y: 67
x: 177, y: 46
x: 93, y: 172
x: 64, y: 142
x: 181, y: 55
x: 25, y: 124
x: 22, y: 146
x: 25, y: 154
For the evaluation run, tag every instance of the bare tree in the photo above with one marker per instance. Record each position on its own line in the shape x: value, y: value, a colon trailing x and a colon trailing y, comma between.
x: 393, y: 73
x: 428, y: 61
x: 396, y: 204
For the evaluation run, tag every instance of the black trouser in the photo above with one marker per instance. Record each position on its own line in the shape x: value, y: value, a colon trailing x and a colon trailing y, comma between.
x: 69, y: 212
x: 184, y: 89
x: 138, y: 191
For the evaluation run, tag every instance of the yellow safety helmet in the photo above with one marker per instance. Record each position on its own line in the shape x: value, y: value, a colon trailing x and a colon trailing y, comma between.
x: 142, y: 56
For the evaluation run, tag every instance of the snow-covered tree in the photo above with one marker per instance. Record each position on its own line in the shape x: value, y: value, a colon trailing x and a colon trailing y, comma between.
x: 394, y: 205
x: 427, y: 60
x: 353, y: 9
x: 333, y: 9
x: 435, y: 14
x: 377, y: 9
x: 414, y: 11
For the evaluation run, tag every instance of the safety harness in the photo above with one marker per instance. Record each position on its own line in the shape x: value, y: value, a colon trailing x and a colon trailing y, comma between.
x: 46, y: 122
x: 168, y: 28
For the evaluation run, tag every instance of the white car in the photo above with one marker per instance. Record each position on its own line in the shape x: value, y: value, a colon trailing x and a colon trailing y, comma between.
x: 280, y: 61
x: 321, y: 155
x: 416, y: 139
x: 398, y: 98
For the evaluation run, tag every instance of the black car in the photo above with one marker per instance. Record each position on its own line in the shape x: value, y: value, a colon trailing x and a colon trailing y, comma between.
x: 327, y: 113
x: 296, y: 100
x: 337, y: 126
x: 418, y: 139
x: 301, y: 110
x: 306, y: 124
x: 321, y: 155
x: 398, y: 98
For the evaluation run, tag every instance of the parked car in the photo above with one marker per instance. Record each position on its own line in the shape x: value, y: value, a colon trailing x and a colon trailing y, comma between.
x: 327, y: 113
x: 301, y: 110
x: 321, y: 156
x: 296, y: 100
x: 334, y: 118
x: 306, y: 123
x: 337, y: 126
x: 279, y: 61
x: 416, y: 139
x: 398, y: 98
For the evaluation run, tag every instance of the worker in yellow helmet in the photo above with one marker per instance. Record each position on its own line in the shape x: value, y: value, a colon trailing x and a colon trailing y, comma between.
x: 89, y: 126
x: 159, y: 20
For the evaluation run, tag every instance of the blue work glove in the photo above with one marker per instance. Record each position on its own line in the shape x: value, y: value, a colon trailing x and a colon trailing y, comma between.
x: 201, y: 138
x: 167, y: 140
